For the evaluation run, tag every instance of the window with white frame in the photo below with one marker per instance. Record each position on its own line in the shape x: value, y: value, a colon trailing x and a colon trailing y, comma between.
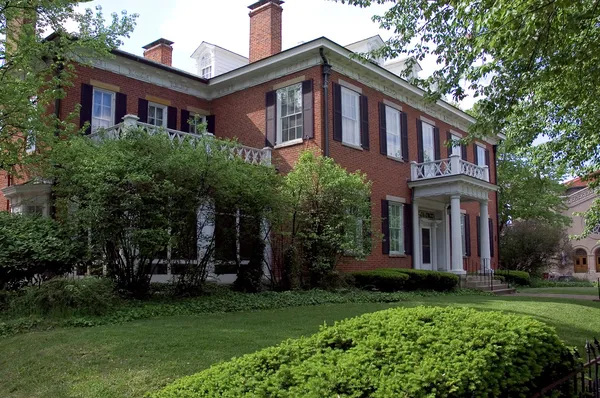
x: 157, y: 115
x: 289, y: 113
x: 103, y: 109
x: 30, y: 142
x: 350, y: 117
x: 456, y: 150
x: 34, y: 210
x: 392, y: 121
x: 196, y: 123
x: 206, y: 66
x: 463, y: 233
x: 480, y: 155
x: 396, y: 221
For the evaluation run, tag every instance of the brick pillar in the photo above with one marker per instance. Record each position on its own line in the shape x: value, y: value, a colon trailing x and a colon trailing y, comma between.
x: 265, y: 29
x: 159, y: 51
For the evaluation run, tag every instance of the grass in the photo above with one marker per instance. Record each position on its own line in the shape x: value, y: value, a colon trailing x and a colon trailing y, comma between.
x: 583, y: 291
x: 130, y: 359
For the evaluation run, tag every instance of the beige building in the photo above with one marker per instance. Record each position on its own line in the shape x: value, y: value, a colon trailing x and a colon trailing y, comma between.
x: 586, y: 261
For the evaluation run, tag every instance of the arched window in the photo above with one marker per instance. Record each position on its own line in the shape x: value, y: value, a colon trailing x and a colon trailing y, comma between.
x: 581, y: 265
x: 597, y: 256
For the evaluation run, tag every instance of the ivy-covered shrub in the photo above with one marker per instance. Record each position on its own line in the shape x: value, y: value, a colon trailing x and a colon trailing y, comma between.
x: 401, y: 352
x: 62, y: 297
x: 384, y: 279
x: 520, y: 278
x: 33, y: 249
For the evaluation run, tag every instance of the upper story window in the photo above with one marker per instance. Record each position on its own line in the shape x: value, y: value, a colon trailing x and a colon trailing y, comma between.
x: 157, y: 115
x: 196, y: 123
x: 428, y: 142
x: 395, y: 220
x: 456, y: 150
x: 206, y: 66
x: 392, y: 120
x: 350, y: 117
x: 289, y: 111
x: 103, y: 109
x: 480, y: 155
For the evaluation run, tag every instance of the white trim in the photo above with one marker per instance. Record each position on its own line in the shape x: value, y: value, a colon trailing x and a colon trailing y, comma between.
x: 392, y: 104
x: 395, y: 159
x: 289, y: 143
x: 454, y: 132
x: 357, y: 147
x: 350, y: 86
x: 289, y: 82
x: 396, y: 199
x: 165, y: 113
x: 428, y: 121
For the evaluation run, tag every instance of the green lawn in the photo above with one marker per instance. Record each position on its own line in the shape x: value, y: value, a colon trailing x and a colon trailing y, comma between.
x: 130, y: 359
x: 583, y: 291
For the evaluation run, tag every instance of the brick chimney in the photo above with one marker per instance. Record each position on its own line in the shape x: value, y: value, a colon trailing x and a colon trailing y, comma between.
x: 159, y: 51
x: 265, y: 29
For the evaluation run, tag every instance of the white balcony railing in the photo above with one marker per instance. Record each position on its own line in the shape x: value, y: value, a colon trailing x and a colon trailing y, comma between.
x: 248, y: 154
x: 445, y: 167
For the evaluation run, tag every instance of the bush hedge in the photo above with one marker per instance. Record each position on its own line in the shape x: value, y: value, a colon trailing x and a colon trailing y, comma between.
x: 389, y: 279
x: 538, y: 282
x: 401, y: 352
x: 520, y: 278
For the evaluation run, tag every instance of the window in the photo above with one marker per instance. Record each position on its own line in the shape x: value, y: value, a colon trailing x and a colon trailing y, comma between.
x: 392, y: 120
x: 289, y: 111
x: 350, y: 117
x: 428, y: 142
x: 30, y: 142
x: 580, y: 261
x: 34, y: 210
x: 396, y: 220
x: 206, y: 67
x: 463, y: 233
x: 456, y: 150
x: 103, y: 109
x: 196, y: 122
x: 480, y: 155
x: 157, y: 115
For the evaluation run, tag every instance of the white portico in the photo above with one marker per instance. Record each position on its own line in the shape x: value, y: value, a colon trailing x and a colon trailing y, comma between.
x: 439, y: 187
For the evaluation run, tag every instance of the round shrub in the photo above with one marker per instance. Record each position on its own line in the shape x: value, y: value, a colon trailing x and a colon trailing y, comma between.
x: 401, y: 352
x: 385, y: 280
x: 520, y: 278
x: 61, y: 297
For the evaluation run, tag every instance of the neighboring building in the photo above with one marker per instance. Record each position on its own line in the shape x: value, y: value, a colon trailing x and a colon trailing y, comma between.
x: 586, y: 259
x: 437, y: 204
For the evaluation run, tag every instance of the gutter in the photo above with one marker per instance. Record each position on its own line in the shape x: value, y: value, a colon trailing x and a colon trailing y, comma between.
x: 326, y: 73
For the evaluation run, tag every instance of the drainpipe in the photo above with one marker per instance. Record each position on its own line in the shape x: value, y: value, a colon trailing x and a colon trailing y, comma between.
x: 326, y: 73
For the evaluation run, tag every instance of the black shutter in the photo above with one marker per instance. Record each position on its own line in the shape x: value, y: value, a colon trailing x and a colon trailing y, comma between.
x: 85, y: 113
x: 385, y: 226
x: 408, y: 229
x: 463, y: 152
x: 271, y: 114
x: 185, y: 117
x: 478, y: 236
x: 468, y: 235
x: 172, y: 118
x: 337, y: 112
x: 382, y: 130
x: 404, y: 135
x: 120, y: 107
x: 210, y: 124
x: 449, y: 143
x: 475, y: 154
x: 487, y: 157
x: 308, y: 116
x: 364, y: 122
x: 143, y: 110
x: 436, y: 143
x: 420, y: 156
x: 491, y: 231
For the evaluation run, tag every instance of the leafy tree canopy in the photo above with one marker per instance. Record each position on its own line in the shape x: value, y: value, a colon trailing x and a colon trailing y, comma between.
x: 36, y: 71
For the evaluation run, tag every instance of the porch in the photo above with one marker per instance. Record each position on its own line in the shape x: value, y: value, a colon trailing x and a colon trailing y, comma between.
x: 440, y: 229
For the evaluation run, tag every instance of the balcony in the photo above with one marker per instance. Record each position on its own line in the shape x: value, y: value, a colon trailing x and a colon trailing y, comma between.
x: 248, y: 154
x: 448, y: 167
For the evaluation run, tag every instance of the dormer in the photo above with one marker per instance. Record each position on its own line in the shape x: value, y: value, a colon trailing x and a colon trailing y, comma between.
x: 367, y: 45
x: 212, y: 60
x: 397, y: 67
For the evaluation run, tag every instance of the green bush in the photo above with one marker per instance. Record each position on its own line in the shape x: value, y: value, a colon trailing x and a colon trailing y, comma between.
x: 520, y: 278
x: 33, y: 248
x: 538, y: 282
x: 385, y: 280
x: 62, y: 297
x: 429, y: 280
x: 400, y: 352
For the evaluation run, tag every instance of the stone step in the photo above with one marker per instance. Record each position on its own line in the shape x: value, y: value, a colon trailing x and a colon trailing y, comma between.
x: 488, y: 287
x: 475, y: 285
x: 504, y: 292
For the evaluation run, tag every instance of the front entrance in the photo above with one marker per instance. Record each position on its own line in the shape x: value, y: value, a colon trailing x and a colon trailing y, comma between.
x: 426, y: 248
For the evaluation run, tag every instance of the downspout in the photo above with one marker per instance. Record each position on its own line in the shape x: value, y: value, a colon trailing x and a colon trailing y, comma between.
x: 326, y: 73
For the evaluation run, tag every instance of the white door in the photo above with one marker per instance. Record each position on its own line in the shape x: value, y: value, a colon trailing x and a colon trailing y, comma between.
x: 426, y: 248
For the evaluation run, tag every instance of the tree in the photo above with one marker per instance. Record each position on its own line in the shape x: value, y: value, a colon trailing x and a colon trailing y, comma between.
x: 533, y: 65
x: 35, y: 71
x: 329, y: 214
x: 529, y: 190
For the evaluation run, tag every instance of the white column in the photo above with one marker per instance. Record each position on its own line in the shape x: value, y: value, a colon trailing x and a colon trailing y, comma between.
x: 457, y: 265
x: 416, y: 237
x: 455, y: 164
x: 484, y: 237
x: 447, y: 259
x: 434, y: 251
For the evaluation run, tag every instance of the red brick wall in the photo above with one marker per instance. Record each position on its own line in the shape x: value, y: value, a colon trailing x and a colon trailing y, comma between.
x: 160, y: 53
x: 265, y: 31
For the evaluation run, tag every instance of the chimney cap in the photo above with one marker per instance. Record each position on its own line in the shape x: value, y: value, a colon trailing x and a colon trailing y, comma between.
x: 263, y: 2
x: 157, y: 42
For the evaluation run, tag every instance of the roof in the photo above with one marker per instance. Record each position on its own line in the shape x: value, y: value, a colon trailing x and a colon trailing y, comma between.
x: 205, y: 43
x: 263, y: 2
x: 576, y: 183
x: 366, y: 40
x: 157, y: 42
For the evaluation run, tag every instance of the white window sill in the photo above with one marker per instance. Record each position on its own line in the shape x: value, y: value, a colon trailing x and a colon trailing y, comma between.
x: 397, y: 255
x: 289, y: 143
x: 396, y: 159
x: 353, y: 146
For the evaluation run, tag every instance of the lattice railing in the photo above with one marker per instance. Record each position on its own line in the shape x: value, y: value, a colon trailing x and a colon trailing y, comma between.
x: 473, y: 170
x: 437, y: 168
x: 445, y: 167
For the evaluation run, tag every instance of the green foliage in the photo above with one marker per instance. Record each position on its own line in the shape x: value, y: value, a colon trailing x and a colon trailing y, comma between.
x: 538, y: 282
x: 532, y: 246
x: 249, y: 277
x: 385, y: 280
x: 415, y: 352
x: 329, y: 211
x: 66, y: 297
x: 33, y: 249
x: 216, y: 299
x: 520, y: 278
x: 37, y: 72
